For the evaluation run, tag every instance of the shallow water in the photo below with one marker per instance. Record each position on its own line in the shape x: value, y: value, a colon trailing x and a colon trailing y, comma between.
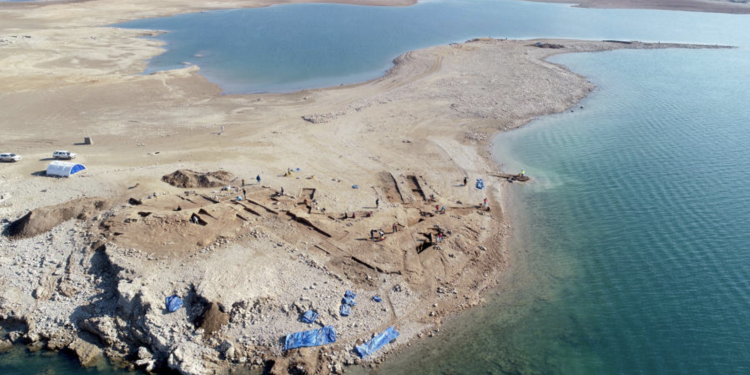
x: 292, y: 47
x: 632, y: 237
x: 630, y: 242
x: 19, y: 361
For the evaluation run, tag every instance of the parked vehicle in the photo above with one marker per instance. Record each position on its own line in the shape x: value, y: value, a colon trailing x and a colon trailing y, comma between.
x: 10, y: 157
x: 64, y: 155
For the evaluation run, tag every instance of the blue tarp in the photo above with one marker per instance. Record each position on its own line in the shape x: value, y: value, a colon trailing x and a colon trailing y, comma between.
x: 377, y: 298
x: 345, y: 310
x: 480, y: 183
x: 313, y: 337
x: 309, y: 316
x: 349, y: 298
x: 347, y: 302
x: 377, y: 342
x: 173, y: 303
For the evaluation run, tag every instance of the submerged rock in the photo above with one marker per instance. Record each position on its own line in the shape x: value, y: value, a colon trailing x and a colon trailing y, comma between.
x: 5, y: 345
x: 87, y: 353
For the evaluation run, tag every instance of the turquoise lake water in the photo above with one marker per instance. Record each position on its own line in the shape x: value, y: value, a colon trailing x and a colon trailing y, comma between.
x: 633, y: 236
x: 631, y: 246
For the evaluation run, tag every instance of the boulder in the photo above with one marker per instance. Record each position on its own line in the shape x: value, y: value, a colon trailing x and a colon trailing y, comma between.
x: 87, y: 353
x: 186, y: 358
x: 5, y: 345
x: 143, y: 353
x: 101, y: 327
x: 59, y: 341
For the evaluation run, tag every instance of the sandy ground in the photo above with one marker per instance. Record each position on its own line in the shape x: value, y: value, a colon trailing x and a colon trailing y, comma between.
x: 96, y: 282
x: 712, y: 6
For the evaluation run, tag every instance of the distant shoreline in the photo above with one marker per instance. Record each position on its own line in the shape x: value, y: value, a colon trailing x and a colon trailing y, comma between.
x: 707, y: 6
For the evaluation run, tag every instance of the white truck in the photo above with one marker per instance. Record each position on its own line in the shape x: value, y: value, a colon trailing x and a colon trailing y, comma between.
x: 64, y: 155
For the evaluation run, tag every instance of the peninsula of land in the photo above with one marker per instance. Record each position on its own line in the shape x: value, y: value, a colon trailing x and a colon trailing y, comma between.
x: 253, y: 209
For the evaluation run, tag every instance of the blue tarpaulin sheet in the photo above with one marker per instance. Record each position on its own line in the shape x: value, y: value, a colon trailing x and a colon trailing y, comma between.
x: 347, y: 302
x: 309, y: 316
x: 349, y: 298
x: 377, y: 342
x: 313, y: 337
x: 377, y: 298
x: 345, y: 310
x: 173, y: 303
x: 480, y: 183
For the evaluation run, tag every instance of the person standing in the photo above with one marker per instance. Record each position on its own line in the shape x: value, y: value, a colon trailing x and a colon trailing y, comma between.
x: 372, y: 234
x: 243, y: 182
x: 395, y: 228
x: 485, y: 202
x: 244, y: 193
x: 377, y: 202
x: 257, y: 178
x: 466, y: 181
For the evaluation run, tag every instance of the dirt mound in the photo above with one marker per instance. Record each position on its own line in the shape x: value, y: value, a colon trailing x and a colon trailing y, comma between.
x: 186, y: 178
x: 45, y: 218
x: 213, y: 319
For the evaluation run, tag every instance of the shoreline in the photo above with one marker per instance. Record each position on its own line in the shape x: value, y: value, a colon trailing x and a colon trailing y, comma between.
x: 435, y: 113
x: 708, y: 6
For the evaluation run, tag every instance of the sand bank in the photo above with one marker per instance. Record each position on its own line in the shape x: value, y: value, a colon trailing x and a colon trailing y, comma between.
x: 95, y: 284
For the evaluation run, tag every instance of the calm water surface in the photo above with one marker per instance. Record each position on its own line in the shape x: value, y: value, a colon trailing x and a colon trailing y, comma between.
x: 19, y: 361
x: 630, y: 244
x: 633, y: 236
x: 292, y: 47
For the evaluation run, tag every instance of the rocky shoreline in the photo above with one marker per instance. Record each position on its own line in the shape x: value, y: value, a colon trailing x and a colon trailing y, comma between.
x: 88, y: 270
x: 73, y: 290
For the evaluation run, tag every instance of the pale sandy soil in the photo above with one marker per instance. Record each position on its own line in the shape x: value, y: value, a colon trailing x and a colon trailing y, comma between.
x: 99, y: 281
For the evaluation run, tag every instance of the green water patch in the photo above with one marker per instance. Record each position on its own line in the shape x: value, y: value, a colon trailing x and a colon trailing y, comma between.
x: 632, y: 251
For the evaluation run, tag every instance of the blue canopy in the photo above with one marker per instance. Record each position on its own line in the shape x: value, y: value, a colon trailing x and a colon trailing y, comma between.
x: 173, y: 303
x: 309, y: 316
x: 480, y: 183
x: 313, y: 337
x: 377, y: 342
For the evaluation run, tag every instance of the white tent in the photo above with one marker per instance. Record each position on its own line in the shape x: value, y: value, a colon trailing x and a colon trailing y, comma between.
x: 63, y: 168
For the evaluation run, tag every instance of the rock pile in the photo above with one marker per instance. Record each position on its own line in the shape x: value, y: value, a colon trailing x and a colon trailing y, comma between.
x: 43, y: 219
x: 186, y: 178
